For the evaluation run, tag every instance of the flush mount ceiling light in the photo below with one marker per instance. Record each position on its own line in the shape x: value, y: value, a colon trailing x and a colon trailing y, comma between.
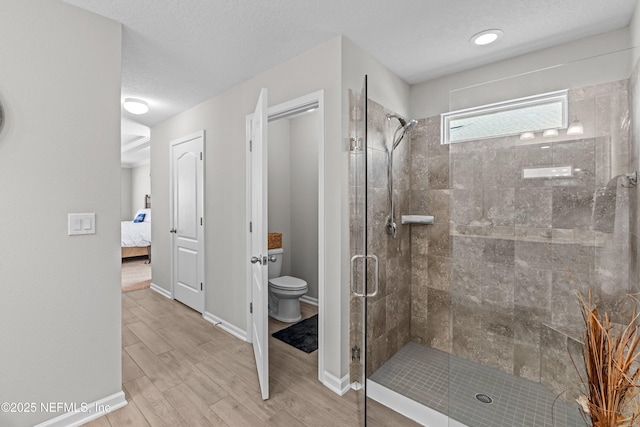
x: 486, y: 37
x: 135, y: 106
x: 550, y: 132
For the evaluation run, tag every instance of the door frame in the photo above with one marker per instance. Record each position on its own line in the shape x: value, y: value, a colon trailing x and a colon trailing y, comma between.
x: 278, y: 111
x: 200, y: 195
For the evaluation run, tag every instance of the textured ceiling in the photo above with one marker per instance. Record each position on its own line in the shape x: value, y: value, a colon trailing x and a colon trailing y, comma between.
x: 177, y: 54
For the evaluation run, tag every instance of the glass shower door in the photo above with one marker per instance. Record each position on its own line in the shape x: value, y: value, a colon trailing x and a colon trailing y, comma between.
x: 358, y: 242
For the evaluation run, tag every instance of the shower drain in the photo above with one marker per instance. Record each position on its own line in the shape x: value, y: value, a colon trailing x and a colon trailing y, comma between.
x: 484, y: 398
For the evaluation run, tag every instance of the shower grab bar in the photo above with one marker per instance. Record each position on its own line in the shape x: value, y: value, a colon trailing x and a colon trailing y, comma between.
x: 376, y: 276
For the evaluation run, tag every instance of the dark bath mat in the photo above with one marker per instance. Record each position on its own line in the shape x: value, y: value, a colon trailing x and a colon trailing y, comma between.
x: 302, y: 335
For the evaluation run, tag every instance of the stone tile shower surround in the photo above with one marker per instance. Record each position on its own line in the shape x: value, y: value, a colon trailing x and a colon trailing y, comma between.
x: 494, y: 279
x: 388, y: 313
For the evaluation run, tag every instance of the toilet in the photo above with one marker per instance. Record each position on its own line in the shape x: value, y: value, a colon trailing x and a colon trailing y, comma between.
x: 284, y: 291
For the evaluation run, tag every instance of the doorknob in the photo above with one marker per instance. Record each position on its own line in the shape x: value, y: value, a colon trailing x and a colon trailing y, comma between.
x: 272, y: 258
x: 256, y: 260
x: 173, y: 230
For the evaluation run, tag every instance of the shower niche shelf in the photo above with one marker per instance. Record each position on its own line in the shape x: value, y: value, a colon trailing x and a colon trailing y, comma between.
x: 417, y: 219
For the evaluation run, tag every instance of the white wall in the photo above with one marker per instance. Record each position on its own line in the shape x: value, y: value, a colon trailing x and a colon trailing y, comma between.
x: 59, y: 153
x: 279, y: 191
x: 583, y: 62
x: 304, y: 200
x: 140, y: 186
x: 125, y: 194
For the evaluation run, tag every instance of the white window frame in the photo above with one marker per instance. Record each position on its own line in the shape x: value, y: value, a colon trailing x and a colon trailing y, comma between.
x: 514, y: 104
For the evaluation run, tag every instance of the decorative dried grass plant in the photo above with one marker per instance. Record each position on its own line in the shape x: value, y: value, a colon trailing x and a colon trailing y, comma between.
x: 611, y: 382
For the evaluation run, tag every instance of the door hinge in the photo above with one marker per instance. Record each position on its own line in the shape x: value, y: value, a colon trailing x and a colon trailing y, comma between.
x: 201, y: 155
x: 250, y: 307
x: 200, y: 220
x: 250, y: 227
x: 250, y: 145
x: 355, y: 354
x: 201, y: 286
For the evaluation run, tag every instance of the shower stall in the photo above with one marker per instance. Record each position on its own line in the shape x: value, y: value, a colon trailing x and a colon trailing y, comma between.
x: 474, y: 320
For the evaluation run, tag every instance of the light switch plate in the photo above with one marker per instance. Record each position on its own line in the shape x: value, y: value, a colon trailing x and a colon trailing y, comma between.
x: 82, y: 223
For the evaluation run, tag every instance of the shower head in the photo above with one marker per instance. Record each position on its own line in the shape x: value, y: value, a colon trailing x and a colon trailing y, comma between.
x: 408, y: 126
x: 403, y: 123
x: 403, y: 129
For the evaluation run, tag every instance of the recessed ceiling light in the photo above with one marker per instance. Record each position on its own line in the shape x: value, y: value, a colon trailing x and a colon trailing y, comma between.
x: 486, y: 37
x: 135, y: 106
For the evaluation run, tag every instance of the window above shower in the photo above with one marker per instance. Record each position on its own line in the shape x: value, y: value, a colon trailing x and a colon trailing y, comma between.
x: 536, y: 113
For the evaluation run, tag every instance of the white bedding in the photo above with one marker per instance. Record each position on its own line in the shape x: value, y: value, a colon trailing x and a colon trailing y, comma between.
x: 135, y: 234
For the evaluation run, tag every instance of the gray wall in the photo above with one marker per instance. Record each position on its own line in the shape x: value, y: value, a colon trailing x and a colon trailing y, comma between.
x: 140, y: 186
x: 304, y: 200
x: 293, y: 195
x: 279, y: 191
x: 125, y: 194
x: 59, y: 153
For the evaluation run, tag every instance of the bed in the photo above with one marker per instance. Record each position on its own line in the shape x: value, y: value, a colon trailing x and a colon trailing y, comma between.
x: 136, y: 235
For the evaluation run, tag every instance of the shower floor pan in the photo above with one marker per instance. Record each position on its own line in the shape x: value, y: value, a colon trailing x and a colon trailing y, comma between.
x: 450, y: 385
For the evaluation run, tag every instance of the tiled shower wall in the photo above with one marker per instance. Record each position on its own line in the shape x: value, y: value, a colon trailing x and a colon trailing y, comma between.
x: 388, y: 313
x: 494, y: 279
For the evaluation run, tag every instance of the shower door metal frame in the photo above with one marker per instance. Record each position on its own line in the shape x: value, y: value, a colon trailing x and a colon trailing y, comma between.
x: 360, y: 273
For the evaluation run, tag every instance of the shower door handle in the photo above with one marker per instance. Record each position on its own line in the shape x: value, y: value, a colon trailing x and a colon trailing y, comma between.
x: 375, y: 276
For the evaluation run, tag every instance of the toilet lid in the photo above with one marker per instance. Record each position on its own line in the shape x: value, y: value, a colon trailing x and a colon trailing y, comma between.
x: 288, y: 283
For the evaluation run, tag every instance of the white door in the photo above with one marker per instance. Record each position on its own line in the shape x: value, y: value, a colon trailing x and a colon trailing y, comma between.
x: 187, y: 216
x: 259, y: 257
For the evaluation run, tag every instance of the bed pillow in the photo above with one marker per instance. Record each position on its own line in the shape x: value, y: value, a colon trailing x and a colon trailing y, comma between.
x: 147, y: 214
x: 139, y: 217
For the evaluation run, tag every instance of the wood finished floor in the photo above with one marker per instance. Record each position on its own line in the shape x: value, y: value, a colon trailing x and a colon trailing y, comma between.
x: 180, y: 370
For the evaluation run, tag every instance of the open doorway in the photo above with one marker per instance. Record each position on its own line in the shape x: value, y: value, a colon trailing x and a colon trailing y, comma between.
x: 293, y: 186
x: 293, y: 215
x: 135, y: 217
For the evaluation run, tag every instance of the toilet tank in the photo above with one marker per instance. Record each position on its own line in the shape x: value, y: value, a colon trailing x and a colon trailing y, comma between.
x: 275, y: 268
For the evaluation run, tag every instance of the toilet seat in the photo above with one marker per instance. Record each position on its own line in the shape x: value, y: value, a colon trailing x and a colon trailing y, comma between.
x: 287, y: 283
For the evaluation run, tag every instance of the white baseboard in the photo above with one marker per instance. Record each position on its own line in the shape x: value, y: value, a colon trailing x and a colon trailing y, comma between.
x: 419, y: 413
x: 309, y: 300
x: 337, y: 385
x: 87, y: 412
x: 232, y: 329
x: 162, y: 291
